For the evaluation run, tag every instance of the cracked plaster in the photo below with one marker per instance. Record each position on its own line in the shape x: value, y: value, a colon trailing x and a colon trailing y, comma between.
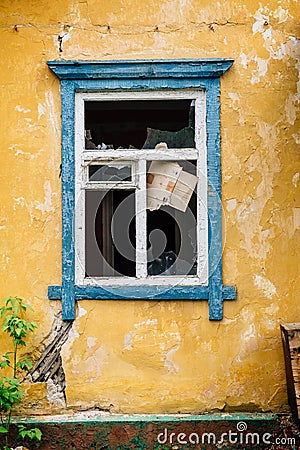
x: 159, y: 357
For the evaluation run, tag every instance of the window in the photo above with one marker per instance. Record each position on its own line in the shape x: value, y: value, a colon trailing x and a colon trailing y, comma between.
x: 141, y: 191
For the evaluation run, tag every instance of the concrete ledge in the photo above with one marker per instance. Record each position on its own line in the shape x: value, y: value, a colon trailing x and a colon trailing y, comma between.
x: 95, y: 430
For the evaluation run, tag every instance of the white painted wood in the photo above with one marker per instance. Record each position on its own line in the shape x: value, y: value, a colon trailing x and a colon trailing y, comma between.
x: 79, y: 218
x: 150, y: 281
x: 84, y: 157
x: 202, y: 213
x: 104, y: 162
x: 170, y: 94
x: 172, y: 154
x: 141, y: 221
x: 104, y: 185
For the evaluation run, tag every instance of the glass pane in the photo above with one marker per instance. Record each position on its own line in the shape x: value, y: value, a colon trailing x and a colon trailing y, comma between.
x: 109, y: 172
x: 172, y: 218
x: 110, y: 233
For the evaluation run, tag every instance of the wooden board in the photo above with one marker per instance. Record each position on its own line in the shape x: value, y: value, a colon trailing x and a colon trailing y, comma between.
x: 291, y: 345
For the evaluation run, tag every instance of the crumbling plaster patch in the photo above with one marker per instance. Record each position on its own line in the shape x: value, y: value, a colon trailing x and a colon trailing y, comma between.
x: 47, y: 205
x: 264, y: 24
x: 265, y: 285
x: 49, y: 368
x: 38, y: 210
x: 266, y: 162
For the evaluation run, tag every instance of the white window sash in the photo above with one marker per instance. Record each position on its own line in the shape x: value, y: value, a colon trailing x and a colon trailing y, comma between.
x: 138, y: 159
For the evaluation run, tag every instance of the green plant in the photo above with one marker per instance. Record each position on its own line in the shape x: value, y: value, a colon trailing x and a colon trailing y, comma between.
x: 11, y: 391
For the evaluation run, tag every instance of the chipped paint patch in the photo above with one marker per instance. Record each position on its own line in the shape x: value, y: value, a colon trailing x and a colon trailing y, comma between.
x: 261, y: 21
x: 47, y: 205
x: 231, y: 204
x: 281, y: 14
x: 236, y: 105
x: 146, y: 323
x: 296, y: 45
x: 272, y: 310
x: 66, y: 35
x: 243, y: 59
x: 23, y: 110
x: 53, y: 117
x: 128, y: 341
x: 24, y: 155
x: 296, y: 217
x: 262, y: 68
x: 91, y: 341
x: 93, y: 364
x: 250, y: 333
x: 41, y: 110
x: 19, y: 201
x: 290, y: 109
x: 234, y: 96
x: 169, y: 363
x: 81, y: 311
x: 265, y: 285
x: 296, y: 137
x: 66, y: 351
x: 295, y: 179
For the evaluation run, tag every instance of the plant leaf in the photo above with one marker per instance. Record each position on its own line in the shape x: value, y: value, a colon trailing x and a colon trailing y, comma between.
x: 32, y: 433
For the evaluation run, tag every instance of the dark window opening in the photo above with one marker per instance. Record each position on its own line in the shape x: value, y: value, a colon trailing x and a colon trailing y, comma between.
x: 139, y: 123
x: 172, y: 233
x: 110, y: 226
x: 172, y: 241
x: 110, y: 233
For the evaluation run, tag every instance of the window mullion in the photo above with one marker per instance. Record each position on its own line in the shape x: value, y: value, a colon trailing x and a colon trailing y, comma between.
x: 202, y: 216
x: 80, y: 181
x: 141, y: 220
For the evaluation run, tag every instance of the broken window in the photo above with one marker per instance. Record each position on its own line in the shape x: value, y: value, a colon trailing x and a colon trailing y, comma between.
x: 141, y: 182
x: 139, y: 198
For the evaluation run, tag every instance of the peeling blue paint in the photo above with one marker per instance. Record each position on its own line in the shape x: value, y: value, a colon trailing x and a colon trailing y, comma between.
x: 132, y: 69
x: 142, y: 292
x: 215, y: 297
x: 141, y: 75
x: 68, y: 199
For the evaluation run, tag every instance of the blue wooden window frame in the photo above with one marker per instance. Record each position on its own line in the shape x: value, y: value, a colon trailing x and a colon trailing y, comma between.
x: 76, y: 76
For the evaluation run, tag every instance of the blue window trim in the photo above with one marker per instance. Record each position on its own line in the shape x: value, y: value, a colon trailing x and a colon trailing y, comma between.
x: 76, y: 76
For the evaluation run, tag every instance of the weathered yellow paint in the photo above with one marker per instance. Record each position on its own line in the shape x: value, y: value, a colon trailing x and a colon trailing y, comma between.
x: 158, y: 357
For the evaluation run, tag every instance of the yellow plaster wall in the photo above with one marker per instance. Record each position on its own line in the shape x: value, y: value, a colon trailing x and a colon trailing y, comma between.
x: 158, y: 357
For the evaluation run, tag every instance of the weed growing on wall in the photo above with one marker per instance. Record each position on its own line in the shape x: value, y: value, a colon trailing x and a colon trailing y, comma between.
x: 13, y: 367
